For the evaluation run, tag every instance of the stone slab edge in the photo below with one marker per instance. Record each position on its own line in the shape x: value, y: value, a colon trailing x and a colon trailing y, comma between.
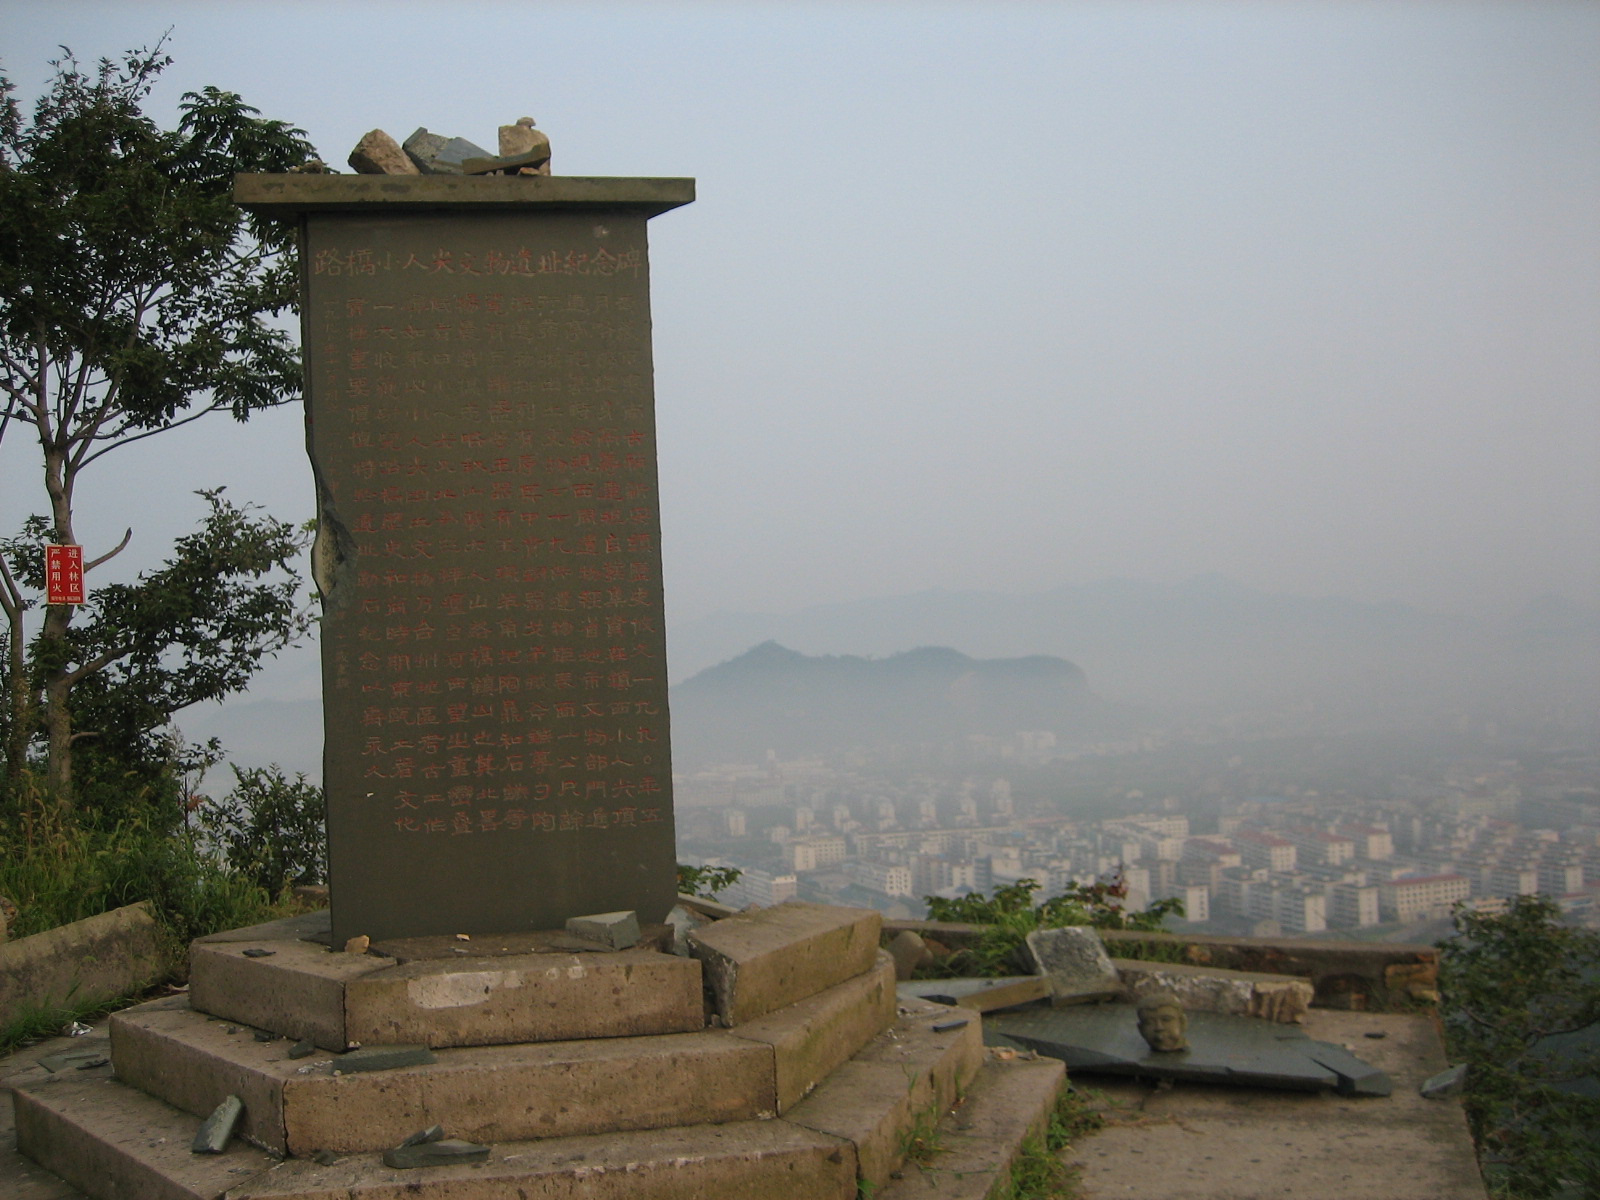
x: 99, y: 958
x: 287, y: 195
x: 1280, y: 998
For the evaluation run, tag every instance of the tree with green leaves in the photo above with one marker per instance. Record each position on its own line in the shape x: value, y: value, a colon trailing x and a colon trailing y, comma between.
x: 1521, y: 1006
x: 135, y: 297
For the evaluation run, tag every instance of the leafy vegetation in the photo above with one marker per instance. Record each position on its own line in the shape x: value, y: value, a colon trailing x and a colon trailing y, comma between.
x: 705, y: 882
x: 1521, y: 1006
x: 1012, y: 913
x: 271, y: 829
x: 134, y: 298
x: 1038, y: 1172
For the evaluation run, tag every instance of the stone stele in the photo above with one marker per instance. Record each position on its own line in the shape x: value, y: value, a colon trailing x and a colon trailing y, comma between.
x: 480, y: 417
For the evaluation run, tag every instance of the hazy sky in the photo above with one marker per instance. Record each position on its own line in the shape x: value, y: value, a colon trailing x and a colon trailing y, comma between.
x: 1010, y: 296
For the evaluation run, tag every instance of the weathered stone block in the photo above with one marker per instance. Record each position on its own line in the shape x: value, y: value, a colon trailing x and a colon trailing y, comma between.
x: 1281, y: 998
x: 297, y: 992
x: 618, y: 930
x: 526, y: 998
x: 812, y: 1037
x: 763, y: 960
x: 1076, y: 963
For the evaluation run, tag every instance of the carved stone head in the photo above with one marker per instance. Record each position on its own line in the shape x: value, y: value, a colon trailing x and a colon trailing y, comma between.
x: 1162, y: 1022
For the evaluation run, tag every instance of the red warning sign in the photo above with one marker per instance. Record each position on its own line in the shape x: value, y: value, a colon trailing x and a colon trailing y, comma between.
x: 63, y: 568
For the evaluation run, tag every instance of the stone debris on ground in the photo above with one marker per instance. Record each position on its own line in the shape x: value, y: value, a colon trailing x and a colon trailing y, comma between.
x: 217, y: 1130
x: 382, y: 1058
x: 434, y: 1154
x: 435, y: 155
x: 1446, y: 1083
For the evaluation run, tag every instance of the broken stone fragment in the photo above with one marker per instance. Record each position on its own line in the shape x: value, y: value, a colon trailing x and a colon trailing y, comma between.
x: 518, y: 164
x: 434, y: 1154
x: 217, y: 1129
x: 258, y: 952
x: 1446, y: 1083
x: 357, y: 944
x: 435, y: 155
x: 304, y: 1048
x: 383, y: 1058
x: 683, y: 922
x: 379, y: 154
x: 433, y: 1133
x: 523, y: 138
x: 618, y: 930
x: 909, y: 952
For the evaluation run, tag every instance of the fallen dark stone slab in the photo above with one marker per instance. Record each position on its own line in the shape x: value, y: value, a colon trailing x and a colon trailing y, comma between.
x: 1446, y: 1083
x: 1245, y: 1051
x: 383, y: 1058
x: 67, y: 1060
x: 434, y: 1154
x: 304, y: 1048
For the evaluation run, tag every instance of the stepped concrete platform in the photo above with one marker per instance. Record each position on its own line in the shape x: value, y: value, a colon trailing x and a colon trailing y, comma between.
x: 820, y: 1089
x: 283, y: 977
x: 482, y: 1093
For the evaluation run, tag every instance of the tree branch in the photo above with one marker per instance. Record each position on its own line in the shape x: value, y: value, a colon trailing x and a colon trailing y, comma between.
x: 110, y: 554
x: 96, y: 664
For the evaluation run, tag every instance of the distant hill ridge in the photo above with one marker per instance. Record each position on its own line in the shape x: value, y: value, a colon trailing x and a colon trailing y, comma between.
x: 774, y: 698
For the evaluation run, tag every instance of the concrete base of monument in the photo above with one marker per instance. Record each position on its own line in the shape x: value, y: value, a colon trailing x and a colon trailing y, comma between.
x: 812, y: 1096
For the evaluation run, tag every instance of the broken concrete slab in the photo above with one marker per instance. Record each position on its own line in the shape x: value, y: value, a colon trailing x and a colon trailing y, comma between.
x: 1104, y: 1039
x: 1449, y: 1082
x: 616, y: 930
x: 528, y: 998
x: 1076, y: 963
x: 760, y: 961
x: 980, y: 995
x: 813, y: 1036
x: 100, y: 957
x: 1281, y: 998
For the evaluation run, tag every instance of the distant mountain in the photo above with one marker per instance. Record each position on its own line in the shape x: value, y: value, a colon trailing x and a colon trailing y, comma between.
x: 1210, y: 644
x: 772, y: 698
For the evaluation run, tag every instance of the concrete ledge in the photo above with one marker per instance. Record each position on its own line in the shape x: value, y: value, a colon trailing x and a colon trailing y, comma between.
x: 288, y: 195
x: 99, y: 958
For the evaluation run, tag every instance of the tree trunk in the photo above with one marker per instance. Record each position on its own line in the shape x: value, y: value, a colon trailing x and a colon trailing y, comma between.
x: 58, y: 480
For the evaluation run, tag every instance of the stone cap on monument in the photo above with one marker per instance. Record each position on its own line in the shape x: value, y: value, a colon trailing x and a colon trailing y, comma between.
x: 290, y: 194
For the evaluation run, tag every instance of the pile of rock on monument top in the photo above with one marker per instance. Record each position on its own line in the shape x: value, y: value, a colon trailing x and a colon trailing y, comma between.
x: 524, y: 150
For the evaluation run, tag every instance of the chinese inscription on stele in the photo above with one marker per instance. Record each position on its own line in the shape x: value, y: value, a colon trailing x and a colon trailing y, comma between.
x: 480, y: 420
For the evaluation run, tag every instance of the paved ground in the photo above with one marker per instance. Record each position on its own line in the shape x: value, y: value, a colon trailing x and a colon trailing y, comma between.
x: 1180, y: 1143
x: 1189, y: 1142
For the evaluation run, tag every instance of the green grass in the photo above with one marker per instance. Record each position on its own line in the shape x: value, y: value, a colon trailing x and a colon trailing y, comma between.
x: 34, y: 1024
x: 1038, y: 1172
